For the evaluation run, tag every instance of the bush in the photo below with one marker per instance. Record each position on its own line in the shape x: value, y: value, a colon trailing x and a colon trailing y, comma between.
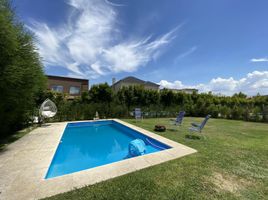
x: 21, y: 75
x: 120, y: 104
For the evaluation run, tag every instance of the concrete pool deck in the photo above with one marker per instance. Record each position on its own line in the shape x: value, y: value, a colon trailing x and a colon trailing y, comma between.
x: 24, y: 164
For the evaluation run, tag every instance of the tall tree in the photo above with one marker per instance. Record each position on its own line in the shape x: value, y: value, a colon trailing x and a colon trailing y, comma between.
x: 21, y: 73
x: 101, y: 93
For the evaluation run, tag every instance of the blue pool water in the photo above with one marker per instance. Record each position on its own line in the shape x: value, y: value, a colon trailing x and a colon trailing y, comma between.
x: 86, y: 145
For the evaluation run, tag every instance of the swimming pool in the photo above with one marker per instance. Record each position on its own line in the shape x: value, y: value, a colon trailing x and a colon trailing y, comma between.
x: 86, y: 145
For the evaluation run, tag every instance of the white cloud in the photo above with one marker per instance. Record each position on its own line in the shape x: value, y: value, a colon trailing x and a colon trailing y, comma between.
x: 186, y: 53
x: 114, y: 4
x: 174, y: 85
x: 259, y: 60
x: 89, y: 43
x: 253, y: 83
x: 131, y: 55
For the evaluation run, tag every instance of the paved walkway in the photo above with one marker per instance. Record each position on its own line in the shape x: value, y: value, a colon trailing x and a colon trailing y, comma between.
x: 24, y: 164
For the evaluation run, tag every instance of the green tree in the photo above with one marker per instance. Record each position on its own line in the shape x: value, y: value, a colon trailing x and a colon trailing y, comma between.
x: 166, y: 97
x: 240, y: 95
x: 101, y: 93
x: 236, y: 112
x: 21, y: 73
x: 126, y: 97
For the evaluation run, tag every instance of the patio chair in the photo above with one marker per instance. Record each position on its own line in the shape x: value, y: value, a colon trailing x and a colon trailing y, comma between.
x: 138, y: 113
x: 198, y: 127
x: 179, y: 118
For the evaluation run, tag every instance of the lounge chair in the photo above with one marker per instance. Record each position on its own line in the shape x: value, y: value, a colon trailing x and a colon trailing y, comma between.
x: 138, y: 113
x: 179, y: 118
x: 198, y: 127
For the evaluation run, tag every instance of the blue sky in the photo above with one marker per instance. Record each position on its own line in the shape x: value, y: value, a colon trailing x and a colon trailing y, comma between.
x: 212, y: 45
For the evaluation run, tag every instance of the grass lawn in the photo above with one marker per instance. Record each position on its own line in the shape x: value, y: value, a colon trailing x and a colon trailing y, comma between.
x: 231, y: 163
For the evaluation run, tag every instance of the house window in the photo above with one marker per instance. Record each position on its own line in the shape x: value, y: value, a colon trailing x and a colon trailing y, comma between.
x: 57, y: 88
x: 74, y: 90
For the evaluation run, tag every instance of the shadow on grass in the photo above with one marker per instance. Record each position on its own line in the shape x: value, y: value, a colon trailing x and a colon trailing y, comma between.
x: 172, y: 129
x: 192, y: 137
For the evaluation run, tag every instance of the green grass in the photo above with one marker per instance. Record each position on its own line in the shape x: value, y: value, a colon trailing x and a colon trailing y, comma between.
x: 231, y: 163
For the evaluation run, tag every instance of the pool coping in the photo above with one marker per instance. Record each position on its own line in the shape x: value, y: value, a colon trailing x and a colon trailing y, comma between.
x: 24, y: 175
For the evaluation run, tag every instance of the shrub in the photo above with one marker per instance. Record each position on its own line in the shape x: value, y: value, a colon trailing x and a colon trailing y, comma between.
x: 155, y: 104
x: 21, y: 75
